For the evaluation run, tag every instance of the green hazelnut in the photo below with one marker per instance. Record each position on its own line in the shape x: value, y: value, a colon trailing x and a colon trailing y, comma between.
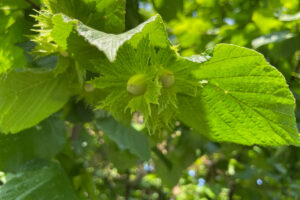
x: 88, y: 87
x: 137, y: 84
x: 167, y: 78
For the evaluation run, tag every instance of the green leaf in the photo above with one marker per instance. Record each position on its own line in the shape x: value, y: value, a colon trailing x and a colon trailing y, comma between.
x: 38, y: 180
x: 83, y: 143
x: 14, y: 4
x: 243, y: 100
x: 132, y: 16
x: 62, y: 27
x: 112, y: 15
x: 122, y: 160
x: 29, y: 97
x: 104, y: 15
x: 42, y: 141
x: 168, y: 8
x: 12, y: 30
x: 109, y: 44
x: 169, y: 167
x: 56, y: 22
x: 125, y: 137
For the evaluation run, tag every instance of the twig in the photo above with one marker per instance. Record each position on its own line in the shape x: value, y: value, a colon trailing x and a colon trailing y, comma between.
x: 34, y: 5
x: 298, y: 64
x: 161, y: 194
x: 162, y: 157
x: 75, y: 131
x: 127, y: 185
x: 231, y: 189
x: 296, y: 70
x: 231, y: 183
x: 136, y: 182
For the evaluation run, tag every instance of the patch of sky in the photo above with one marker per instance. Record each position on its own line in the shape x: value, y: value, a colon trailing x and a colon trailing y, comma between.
x: 145, y: 5
x: 201, y: 182
x: 229, y: 21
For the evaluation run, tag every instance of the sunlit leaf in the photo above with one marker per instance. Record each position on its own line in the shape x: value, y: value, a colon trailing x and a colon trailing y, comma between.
x: 243, y: 100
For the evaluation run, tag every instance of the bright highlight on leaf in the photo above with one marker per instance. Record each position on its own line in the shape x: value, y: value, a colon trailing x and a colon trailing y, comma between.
x: 109, y: 44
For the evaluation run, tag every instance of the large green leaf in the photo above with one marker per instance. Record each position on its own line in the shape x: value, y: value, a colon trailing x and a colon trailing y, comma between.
x: 38, y: 180
x: 41, y: 141
x: 125, y: 137
x: 26, y: 98
x: 109, y: 44
x: 243, y: 100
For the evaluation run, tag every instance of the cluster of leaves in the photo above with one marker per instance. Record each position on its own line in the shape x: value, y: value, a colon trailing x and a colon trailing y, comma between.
x: 92, y: 107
